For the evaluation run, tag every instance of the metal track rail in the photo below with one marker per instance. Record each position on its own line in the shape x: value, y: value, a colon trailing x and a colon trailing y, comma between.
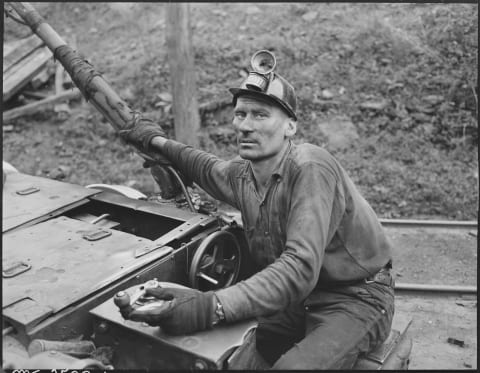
x: 437, y: 289
x: 468, y: 224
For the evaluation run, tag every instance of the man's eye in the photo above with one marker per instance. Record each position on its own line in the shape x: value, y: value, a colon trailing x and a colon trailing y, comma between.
x: 239, y: 114
x: 260, y: 115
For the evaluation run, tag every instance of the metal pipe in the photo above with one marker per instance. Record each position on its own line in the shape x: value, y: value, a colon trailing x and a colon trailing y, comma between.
x: 208, y: 278
x: 431, y: 223
x: 437, y: 288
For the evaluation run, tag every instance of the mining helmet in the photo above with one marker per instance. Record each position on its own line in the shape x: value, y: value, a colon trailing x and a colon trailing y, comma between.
x: 263, y: 83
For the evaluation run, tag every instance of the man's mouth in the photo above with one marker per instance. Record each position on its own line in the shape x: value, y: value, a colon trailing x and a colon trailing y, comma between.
x: 246, y: 141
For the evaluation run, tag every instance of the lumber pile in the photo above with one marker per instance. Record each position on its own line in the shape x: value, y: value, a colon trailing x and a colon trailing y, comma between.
x: 27, y: 66
x: 23, y: 60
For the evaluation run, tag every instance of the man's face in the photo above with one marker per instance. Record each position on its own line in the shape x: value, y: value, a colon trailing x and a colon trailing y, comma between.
x: 262, y: 128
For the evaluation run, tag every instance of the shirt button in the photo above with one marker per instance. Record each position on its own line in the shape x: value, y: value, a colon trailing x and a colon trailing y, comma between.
x: 307, y: 308
x: 266, y: 233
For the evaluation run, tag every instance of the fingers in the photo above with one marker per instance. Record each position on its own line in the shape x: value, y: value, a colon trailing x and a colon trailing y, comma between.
x: 161, y: 293
x: 151, y: 313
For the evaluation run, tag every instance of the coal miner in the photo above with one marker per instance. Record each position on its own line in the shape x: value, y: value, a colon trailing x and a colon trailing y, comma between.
x: 323, y: 293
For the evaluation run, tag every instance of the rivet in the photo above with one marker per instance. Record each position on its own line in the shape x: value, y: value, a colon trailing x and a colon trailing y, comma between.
x: 102, y: 327
x: 200, y: 365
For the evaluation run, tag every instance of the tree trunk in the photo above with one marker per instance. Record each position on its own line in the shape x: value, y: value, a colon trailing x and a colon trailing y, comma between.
x: 182, y: 73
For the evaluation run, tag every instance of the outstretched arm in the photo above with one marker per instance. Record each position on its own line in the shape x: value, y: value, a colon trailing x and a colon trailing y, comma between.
x: 207, y: 170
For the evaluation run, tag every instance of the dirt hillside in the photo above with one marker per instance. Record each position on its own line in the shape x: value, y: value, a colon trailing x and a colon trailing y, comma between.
x: 389, y: 89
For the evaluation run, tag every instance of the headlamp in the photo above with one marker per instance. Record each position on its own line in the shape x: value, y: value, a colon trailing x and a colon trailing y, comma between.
x: 263, y: 63
x: 265, y: 84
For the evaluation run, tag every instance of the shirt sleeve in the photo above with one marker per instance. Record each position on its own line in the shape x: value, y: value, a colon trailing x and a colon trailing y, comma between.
x: 314, y: 213
x: 207, y: 170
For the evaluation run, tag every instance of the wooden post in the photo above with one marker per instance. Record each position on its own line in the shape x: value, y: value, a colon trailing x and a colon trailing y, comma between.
x: 182, y: 74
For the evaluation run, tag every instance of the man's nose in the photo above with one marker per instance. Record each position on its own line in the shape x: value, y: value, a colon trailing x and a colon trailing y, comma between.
x: 245, y: 125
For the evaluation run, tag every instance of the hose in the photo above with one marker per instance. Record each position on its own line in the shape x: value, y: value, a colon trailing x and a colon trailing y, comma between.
x: 184, y: 188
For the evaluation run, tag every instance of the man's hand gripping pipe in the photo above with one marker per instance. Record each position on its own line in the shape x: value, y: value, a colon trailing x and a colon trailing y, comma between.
x: 90, y: 82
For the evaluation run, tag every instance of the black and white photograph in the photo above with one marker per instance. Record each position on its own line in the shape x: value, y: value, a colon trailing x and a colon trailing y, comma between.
x: 239, y: 186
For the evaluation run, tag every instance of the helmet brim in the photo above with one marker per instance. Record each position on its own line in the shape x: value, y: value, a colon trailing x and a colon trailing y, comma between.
x: 237, y: 92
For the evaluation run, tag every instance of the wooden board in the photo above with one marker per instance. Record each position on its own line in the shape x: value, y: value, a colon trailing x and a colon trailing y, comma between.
x: 17, y: 50
x: 22, y: 72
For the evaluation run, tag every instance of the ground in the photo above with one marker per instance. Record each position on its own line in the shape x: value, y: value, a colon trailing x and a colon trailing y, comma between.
x: 389, y: 89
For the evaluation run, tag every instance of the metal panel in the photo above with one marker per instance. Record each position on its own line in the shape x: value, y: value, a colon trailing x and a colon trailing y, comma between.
x: 166, y: 208
x: 65, y: 267
x: 52, y: 198
x: 214, y: 345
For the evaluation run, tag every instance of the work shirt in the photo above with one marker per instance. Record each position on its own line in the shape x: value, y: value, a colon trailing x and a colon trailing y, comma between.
x: 310, y: 229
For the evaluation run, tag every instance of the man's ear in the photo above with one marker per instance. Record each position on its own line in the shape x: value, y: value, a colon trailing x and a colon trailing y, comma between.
x: 291, y: 129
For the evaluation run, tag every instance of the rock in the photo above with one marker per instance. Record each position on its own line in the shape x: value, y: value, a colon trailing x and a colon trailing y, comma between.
x: 425, y: 109
x: 327, y: 94
x: 127, y: 94
x: 65, y: 170
x: 126, y: 10
x: 310, y: 16
x: 132, y: 184
x: 252, y: 10
x: 385, y: 61
x: 346, y: 50
x: 165, y: 96
x: 339, y: 131
x: 420, y: 117
x: 374, y: 105
x: 161, y: 23
x: 59, y: 173
x: 434, y: 99
x: 219, y: 12
x: 243, y: 73
x: 380, y: 189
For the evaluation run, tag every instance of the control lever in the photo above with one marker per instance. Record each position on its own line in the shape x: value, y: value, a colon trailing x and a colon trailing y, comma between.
x: 138, y: 301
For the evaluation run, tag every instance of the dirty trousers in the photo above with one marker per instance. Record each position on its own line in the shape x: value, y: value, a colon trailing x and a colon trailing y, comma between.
x: 329, y: 330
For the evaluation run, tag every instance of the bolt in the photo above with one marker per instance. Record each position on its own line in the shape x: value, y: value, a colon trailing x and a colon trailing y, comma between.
x: 102, y: 327
x: 200, y: 365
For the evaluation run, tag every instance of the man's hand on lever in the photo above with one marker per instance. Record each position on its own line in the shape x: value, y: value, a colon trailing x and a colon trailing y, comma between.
x: 176, y: 310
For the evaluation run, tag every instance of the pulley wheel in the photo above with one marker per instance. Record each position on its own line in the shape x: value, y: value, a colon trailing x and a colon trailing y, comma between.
x: 216, y: 263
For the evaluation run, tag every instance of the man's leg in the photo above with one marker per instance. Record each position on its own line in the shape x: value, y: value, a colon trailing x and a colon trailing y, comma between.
x: 277, y: 333
x: 341, y: 325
